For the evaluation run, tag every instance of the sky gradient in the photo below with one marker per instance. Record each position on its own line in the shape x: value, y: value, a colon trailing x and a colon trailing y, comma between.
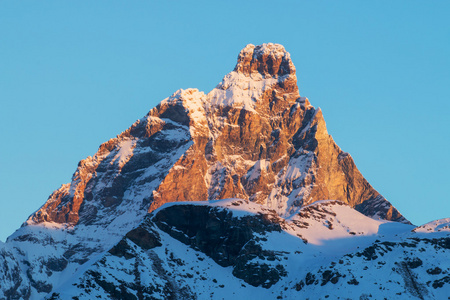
x: 75, y: 74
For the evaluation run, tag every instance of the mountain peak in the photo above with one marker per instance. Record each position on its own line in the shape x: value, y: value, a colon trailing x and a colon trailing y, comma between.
x: 254, y: 141
x: 269, y: 60
x: 263, y: 80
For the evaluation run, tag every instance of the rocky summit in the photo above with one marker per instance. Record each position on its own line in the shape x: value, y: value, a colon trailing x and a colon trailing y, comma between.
x: 238, y: 193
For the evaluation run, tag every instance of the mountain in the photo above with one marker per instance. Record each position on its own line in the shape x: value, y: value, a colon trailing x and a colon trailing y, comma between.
x: 240, y: 192
x: 233, y: 248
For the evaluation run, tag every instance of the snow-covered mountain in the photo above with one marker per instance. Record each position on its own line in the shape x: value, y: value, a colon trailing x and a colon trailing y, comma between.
x: 235, y: 248
x: 298, y: 219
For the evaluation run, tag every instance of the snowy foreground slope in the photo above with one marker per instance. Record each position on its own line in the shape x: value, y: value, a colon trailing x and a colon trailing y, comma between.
x: 233, y: 249
x: 133, y: 224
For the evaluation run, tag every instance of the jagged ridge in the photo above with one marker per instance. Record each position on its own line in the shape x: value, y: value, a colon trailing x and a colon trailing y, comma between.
x: 253, y: 137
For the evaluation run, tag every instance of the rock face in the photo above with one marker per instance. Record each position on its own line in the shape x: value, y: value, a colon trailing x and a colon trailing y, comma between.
x: 228, y: 240
x: 268, y: 60
x: 253, y: 137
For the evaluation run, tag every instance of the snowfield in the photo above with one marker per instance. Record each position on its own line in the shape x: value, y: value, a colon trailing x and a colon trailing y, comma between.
x: 327, y: 250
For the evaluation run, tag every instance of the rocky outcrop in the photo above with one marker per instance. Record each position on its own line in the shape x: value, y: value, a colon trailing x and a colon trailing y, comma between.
x: 228, y: 240
x: 121, y: 170
x: 268, y: 145
x: 252, y: 137
x: 268, y: 60
x: 13, y: 284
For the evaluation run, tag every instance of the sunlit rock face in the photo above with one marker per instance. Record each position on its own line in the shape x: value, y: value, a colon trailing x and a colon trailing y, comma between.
x: 267, y: 60
x: 252, y: 138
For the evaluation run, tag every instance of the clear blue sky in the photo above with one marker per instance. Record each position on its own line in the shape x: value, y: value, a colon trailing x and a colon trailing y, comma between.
x: 75, y: 73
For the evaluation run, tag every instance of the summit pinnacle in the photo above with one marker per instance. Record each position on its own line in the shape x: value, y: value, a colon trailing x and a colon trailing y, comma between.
x: 270, y: 60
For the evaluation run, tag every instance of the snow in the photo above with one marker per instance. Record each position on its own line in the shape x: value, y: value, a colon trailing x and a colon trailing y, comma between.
x: 240, y: 91
x: 238, y: 207
x: 441, y: 225
x: 288, y: 190
x: 334, y: 250
x: 124, y: 153
x: 193, y: 101
x: 344, y: 219
x: 83, y: 244
x: 258, y: 168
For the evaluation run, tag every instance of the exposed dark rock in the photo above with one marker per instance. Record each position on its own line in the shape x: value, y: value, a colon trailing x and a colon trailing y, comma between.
x: 435, y: 271
x: 299, y: 286
x: 226, y: 239
x: 441, y: 282
x: 115, y: 292
x: 330, y: 276
x: 259, y: 274
x: 145, y: 238
x: 56, y: 264
x: 212, y: 230
x: 122, y: 249
x: 414, y: 262
x: 353, y: 282
x: 369, y: 253
x: 310, y: 278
